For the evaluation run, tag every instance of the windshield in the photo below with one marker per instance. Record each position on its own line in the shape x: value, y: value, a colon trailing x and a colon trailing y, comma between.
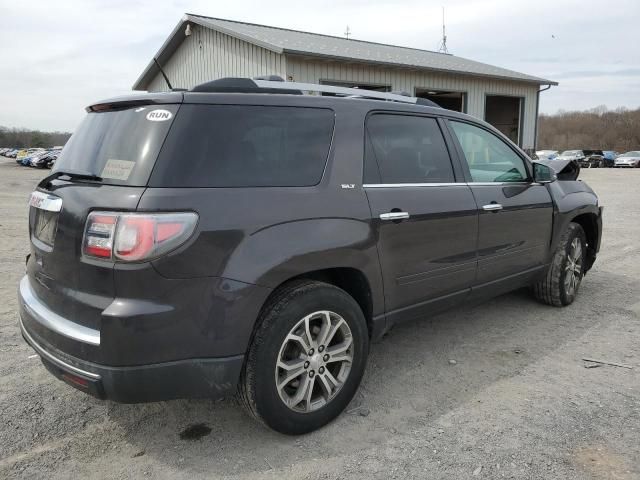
x: 631, y: 154
x: 570, y: 152
x: 119, y: 146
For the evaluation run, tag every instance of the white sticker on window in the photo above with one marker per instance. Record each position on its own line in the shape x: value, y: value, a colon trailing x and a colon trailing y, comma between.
x: 117, y: 169
x: 159, y: 115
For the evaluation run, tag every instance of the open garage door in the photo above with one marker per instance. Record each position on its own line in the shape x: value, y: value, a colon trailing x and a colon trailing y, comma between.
x: 505, y: 113
x: 455, y: 101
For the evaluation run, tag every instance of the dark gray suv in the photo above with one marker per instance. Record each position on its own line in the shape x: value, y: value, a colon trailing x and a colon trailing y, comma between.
x: 248, y: 236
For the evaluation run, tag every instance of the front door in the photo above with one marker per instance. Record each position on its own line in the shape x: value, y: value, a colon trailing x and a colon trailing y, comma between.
x: 516, y: 214
x: 426, y: 221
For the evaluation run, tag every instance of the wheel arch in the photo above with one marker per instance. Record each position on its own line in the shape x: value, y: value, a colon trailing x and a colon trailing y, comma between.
x: 589, y: 223
x: 352, y: 280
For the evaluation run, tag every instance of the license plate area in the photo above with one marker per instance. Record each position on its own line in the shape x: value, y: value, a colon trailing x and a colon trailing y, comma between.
x: 46, y: 209
x: 45, y: 226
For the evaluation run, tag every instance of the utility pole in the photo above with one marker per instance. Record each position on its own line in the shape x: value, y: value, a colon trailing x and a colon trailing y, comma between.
x: 443, y: 43
x: 347, y: 33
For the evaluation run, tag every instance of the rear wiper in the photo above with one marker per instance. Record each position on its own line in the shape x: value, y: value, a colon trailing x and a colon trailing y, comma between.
x: 44, y: 183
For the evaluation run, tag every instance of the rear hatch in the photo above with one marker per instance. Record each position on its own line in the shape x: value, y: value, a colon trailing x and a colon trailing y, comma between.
x: 105, y: 166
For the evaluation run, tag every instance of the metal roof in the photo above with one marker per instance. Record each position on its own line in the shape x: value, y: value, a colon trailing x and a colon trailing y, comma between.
x: 282, y: 40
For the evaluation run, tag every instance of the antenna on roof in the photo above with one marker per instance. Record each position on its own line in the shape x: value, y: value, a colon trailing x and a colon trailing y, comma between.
x: 155, y: 60
x: 347, y: 32
x: 443, y: 44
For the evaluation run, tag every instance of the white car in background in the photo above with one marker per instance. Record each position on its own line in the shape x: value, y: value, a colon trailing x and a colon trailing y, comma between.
x: 547, y: 154
x: 576, y: 155
x: 629, y: 159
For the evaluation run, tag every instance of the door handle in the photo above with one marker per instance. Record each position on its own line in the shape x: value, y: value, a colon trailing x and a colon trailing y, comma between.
x: 394, y: 216
x: 492, y: 207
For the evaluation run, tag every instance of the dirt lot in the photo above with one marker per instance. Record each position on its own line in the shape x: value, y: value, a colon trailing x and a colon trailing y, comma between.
x: 518, y: 402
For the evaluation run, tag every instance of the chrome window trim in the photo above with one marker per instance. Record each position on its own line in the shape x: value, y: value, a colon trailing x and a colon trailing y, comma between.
x: 400, y: 185
x: 53, y: 359
x: 46, y: 202
x: 51, y: 320
x: 451, y: 184
x: 500, y: 184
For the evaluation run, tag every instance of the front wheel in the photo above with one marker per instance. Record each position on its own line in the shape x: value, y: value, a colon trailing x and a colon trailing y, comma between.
x: 307, y: 357
x: 561, y: 283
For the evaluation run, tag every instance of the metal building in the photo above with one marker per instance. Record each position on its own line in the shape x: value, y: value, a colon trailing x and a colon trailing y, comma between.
x: 201, y: 48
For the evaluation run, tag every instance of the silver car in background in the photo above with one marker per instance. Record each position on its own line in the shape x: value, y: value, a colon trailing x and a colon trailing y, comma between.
x: 547, y: 154
x: 629, y: 159
x: 576, y: 155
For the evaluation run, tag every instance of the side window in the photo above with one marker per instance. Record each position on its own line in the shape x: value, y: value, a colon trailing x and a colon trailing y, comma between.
x: 489, y: 158
x: 405, y: 149
x: 245, y: 146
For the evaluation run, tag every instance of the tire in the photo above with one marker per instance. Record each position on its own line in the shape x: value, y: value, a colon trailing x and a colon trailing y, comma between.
x: 286, y: 313
x: 556, y: 288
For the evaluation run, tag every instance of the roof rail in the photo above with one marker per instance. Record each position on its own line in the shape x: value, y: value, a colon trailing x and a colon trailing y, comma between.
x: 277, y: 85
x: 342, y: 91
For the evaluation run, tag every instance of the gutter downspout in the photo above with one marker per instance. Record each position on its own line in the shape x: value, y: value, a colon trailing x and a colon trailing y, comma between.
x: 535, y: 131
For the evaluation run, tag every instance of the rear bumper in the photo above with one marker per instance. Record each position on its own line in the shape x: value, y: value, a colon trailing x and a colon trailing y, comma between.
x: 75, y: 354
x: 193, y: 378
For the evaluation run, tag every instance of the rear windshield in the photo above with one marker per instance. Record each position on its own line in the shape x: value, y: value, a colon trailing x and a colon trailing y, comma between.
x: 245, y: 146
x: 119, y: 146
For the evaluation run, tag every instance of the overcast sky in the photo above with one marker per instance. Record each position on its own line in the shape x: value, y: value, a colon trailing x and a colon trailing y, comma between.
x: 58, y: 56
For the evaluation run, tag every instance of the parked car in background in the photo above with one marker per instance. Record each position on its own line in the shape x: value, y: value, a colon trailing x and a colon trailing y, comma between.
x: 592, y: 159
x: 629, y: 160
x: 46, y: 158
x: 21, y: 154
x: 609, y: 157
x: 27, y: 153
x: 577, y: 155
x: 547, y: 154
x: 32, y: 160
x: 26, y: 160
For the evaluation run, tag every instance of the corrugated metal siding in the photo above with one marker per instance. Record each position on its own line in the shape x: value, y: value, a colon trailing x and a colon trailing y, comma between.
x: 206, y: 55
x: 313, y: 71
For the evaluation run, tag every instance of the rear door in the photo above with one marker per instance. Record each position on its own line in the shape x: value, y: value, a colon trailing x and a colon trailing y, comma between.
x: 515, y: 213
x: 425, y: 217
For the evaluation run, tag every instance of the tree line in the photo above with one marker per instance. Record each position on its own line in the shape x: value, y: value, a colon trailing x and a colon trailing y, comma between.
x: 22, y: 137
x: 597, y: 128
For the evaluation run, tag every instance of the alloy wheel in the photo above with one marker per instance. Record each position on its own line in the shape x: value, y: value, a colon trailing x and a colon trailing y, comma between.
x: 573, y: 268
x: 314, y: 361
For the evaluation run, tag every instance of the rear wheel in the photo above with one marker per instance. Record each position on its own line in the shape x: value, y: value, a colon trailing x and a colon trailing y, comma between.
x: 307, y: 357
x: 561, y: 283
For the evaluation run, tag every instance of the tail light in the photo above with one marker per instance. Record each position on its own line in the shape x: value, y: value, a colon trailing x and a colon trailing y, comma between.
x: 132, y: 237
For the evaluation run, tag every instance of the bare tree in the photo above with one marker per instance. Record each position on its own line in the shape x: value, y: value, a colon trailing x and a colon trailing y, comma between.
x: 598, y: 128
x: 20, y: 138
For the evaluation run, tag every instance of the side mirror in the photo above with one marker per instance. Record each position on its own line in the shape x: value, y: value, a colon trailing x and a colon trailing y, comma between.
x: 543, y: 174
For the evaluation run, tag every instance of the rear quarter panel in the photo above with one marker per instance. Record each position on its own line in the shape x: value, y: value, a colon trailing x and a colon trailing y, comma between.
x: 268, y: 235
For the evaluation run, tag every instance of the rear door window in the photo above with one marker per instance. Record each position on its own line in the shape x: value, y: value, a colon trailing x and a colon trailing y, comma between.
x: 120, y: 146
x: 245, y: 146
x: 405, y: 149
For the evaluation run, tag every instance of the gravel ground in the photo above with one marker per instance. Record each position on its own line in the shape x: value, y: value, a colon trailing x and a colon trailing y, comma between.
x: 497, y: 390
